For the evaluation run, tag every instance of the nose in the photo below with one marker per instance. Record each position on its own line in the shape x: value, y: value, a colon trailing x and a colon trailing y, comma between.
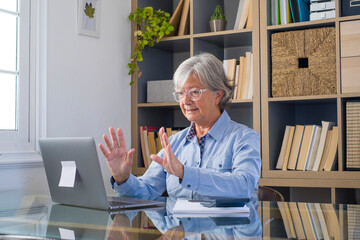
x: 187, y: 99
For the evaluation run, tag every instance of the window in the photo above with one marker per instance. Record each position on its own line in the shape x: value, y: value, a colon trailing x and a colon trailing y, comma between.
x: 16, y: 124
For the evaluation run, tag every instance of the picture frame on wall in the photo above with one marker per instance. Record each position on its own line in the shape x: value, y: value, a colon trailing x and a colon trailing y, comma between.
x: 89, y: 17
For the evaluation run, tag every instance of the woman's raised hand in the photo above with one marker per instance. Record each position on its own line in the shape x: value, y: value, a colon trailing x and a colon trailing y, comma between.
x: 170, y: 163
x: 119, y: 160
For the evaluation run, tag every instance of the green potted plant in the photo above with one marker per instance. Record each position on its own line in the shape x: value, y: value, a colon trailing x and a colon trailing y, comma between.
x: 152, y: 26
x: 217, y: 20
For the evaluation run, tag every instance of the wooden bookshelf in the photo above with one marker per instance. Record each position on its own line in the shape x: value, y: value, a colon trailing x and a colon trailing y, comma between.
x: 277, y: 112
x: 161, y: 61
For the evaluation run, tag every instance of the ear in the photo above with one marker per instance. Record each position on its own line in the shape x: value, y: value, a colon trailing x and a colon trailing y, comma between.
x: 219, y: 96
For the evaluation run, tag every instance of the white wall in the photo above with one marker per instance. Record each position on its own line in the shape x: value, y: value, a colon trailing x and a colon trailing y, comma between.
x: 87, y: 84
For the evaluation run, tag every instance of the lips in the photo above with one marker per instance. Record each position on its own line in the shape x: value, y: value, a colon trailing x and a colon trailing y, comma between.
x: 191, y: 110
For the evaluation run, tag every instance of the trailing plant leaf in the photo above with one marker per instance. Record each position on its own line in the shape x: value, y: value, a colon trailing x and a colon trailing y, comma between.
x: 151, y: 28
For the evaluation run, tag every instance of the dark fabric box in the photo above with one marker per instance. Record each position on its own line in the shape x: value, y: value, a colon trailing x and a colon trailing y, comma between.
x: 350, y: 7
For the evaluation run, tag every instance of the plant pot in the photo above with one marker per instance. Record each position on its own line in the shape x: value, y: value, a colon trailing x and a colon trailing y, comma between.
x: 217, y: 25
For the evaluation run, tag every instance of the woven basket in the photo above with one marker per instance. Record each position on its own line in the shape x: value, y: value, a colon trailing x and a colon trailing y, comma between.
x: 303, y: 62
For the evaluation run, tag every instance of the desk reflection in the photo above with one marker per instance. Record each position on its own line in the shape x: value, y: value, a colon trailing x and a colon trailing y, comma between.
x: 67, y: 222
x: 171, y: 227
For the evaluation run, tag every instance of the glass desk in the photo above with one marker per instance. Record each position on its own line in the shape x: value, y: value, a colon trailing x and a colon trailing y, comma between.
x: 35, y: 216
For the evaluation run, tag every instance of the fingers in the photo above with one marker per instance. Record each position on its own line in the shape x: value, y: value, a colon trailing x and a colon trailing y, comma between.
x: 121, y: 138
x: 130, y: 155
x: 163, y: 138
x: 107, y: 142
x: 103, y: 150
x: 161, y: 132
x: 157, y: 159
x: 113, y: 137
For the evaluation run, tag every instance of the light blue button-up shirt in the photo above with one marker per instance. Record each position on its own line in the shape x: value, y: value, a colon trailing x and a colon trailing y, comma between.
x: 230, y: 165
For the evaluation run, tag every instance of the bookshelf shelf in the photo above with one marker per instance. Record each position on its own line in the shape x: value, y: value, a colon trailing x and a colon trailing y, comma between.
x: 164, y: 104
x: 349, y: 18
x: 240, y: 101
x: 350, y: 95
x: 316, y: 98
x: 174, y: 38
x: 310, y: 183
x: 303, y: 25
x: 222, y: 33
x: 331, y: 175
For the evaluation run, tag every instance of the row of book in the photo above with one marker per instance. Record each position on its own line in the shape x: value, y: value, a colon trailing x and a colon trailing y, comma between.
x: 289, y: 11
x: 309, y: 220
x: 240, y: 73
x: 309, y: 147
x: 150, y: 141
x: 243, y: 15
x: 180, y: 19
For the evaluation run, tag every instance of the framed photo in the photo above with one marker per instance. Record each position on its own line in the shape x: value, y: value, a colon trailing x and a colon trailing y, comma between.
x: 89, y: 17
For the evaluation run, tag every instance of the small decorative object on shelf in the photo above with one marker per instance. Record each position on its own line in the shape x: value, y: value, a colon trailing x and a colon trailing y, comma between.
x: 217, y: 20
x: 152, y: 26
x: 322, y: 10
x: 350, y: 8
x: 160, y: 91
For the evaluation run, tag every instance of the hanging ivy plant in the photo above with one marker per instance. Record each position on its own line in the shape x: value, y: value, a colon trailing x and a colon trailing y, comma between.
x: 152, y: 26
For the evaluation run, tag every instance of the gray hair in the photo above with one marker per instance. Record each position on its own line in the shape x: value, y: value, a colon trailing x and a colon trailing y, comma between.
x: 210, y: 73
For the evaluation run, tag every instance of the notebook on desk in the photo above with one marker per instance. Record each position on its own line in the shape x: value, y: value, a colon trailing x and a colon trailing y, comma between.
x: 74, y: 176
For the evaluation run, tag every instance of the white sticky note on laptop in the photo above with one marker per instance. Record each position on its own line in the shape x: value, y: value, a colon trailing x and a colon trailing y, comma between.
x: 68, y: 173
x: 66, y: 233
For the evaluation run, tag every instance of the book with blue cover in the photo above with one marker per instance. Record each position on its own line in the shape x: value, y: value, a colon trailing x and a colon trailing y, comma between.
x: 300, y: 10
x: 294, y: 7
x: 304, y: 10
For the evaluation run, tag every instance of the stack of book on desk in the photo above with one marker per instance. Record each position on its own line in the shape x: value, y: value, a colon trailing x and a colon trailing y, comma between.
x: 322, y: 9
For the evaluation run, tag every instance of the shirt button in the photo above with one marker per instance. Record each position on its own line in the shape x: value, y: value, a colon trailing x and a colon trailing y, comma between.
x: 188, y: 185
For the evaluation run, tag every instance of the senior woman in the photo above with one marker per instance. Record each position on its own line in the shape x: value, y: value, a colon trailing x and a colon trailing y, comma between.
x: 213, y: 157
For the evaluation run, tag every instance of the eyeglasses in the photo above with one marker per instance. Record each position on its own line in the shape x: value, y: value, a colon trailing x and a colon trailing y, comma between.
x: 194, y: 94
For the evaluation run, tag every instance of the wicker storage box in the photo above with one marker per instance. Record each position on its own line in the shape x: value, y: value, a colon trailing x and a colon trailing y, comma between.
x: 303, y: 62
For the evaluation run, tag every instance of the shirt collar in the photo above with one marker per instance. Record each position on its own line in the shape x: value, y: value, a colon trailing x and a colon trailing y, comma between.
x: 191, y: 133
x: 216, y: 131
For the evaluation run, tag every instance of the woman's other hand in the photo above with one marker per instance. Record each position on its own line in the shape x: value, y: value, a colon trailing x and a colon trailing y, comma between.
x: 119, y: 160
x: 170, y: 163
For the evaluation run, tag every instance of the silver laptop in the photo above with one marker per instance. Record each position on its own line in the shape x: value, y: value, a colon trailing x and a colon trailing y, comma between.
x: 84, y: 185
